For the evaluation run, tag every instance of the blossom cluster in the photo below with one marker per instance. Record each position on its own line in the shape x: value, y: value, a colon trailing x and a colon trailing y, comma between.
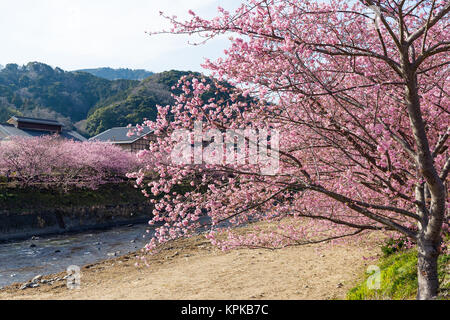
x: 363, y: 123
x: 50, y: 161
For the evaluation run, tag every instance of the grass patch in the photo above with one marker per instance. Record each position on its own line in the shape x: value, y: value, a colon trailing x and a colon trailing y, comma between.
x: 398, y: 278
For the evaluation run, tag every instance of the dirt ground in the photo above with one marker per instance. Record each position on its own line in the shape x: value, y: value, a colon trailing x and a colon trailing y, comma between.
x: 193, y: 269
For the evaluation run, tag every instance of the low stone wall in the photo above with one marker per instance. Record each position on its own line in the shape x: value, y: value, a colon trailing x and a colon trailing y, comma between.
x: 15, y: 226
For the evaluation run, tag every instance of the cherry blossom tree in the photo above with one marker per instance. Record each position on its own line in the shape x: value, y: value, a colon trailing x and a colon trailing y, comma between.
x: 50, y: 161
x: 357, y: 91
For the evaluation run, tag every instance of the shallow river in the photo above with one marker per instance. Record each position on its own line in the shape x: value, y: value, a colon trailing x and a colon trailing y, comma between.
x: 21, y: 261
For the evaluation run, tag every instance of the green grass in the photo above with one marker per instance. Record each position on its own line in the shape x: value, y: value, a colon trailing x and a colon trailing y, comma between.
x: 398, y: 278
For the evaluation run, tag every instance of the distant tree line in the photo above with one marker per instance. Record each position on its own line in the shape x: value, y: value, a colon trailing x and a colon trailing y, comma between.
x: 122, y: 73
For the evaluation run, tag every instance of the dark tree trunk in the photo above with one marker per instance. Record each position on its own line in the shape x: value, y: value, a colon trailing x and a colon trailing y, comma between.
x: 427, y: 269
x: 429, y: 236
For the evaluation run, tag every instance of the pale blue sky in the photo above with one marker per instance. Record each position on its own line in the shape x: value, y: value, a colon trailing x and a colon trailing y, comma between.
x: 103, y: 33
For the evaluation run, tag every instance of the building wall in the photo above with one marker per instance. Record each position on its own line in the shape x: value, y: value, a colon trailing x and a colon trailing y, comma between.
x: 140, y: 144
x: 136, y: 146
x: 124, y: 146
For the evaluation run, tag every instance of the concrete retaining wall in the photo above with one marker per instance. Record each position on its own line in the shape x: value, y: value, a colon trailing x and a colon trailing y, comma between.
x: 15, y: 226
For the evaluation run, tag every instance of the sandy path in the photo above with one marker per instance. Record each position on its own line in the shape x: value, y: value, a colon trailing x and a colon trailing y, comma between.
x: 192, y: 269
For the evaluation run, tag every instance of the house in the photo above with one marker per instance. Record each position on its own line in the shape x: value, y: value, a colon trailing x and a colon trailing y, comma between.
x: 119, y: 136
x: 32, y: 127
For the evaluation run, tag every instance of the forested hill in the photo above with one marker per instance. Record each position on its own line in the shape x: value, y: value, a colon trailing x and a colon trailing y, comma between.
x: 81, y: 100
x: 40, y: 91
x: 38, y: 88
x: 138, y: 103
x: 116, y: 74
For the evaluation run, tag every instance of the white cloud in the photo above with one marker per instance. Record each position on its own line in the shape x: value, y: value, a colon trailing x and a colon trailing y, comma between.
x: 92, y: 33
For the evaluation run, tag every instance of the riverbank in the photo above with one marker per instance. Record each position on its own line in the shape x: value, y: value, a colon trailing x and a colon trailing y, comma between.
x: 193, y: 269
x: 42, y: 212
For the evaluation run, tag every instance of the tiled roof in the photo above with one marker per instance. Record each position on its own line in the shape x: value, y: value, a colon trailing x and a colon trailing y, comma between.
x: 119, y: 135
x: 10, y: 130
x: 35, y: 120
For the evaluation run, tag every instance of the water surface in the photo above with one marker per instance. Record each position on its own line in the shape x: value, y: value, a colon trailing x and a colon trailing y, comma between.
x: 21, y: 261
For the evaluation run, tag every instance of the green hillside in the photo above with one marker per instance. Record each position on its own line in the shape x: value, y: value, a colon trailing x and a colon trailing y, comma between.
x: 70, y: 94
x: 139, y: 103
